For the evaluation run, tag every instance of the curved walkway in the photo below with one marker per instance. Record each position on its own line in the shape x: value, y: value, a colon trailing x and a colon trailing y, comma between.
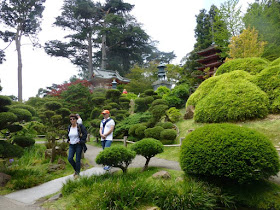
x: 25, y: 199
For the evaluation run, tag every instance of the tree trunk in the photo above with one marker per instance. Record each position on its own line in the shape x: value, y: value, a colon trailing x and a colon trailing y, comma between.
x: 53, y: 150
x: 90, y: 66
x: 103, y: 50
x: 18, y: 48
x: 146, y: 164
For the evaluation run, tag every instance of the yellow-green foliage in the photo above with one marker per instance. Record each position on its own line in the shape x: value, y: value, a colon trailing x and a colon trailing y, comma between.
x: 269, y: 81
x: 251, y: 65
x: 275, y: 62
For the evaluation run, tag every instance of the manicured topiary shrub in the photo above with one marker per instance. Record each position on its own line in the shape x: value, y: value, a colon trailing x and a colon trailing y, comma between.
x: 132, y: 129
x: 230, y: 151
x: 22, y: 114
x: 165, y: 125
x: 159, y: 102
x: 173, y: 114
x: 24, y: 141
x: 172, y: 100
x: 158, y: 111
x: 168, y: 136
x: 141, y: 105
x: 232, y: 100
x: 7, y: 117
x: 139, y: 131
x: 98, y: 100
x: 276, y: 62
x: 269, y: 81
x: 24, y: 106
x: 148, y: 148
x: 163, y: 90
x: 114, y: 105
x: 150, y: 92
x: 113, y: 95
x: 153, y: 132
x: 53, y: 105
x: 250, y: 65
x: 116, y: 156
x: 10, y: 150
x: 149, y: 100
x: 5, y: 101
x: 14, y: 128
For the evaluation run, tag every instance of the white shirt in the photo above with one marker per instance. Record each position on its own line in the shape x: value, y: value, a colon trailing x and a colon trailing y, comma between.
x: 74, y: 135
x: 80, y: 121
x: 108, y: 126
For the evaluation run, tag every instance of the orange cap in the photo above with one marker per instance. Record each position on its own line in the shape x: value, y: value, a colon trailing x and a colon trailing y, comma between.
x: 105, y: 112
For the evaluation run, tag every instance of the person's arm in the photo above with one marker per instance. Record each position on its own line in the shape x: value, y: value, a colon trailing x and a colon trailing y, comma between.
x: 110, y: 131
x: 84, y: 133
x: 100, y: 132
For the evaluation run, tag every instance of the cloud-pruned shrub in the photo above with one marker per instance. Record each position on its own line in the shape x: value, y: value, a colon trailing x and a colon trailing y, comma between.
x: 229, y: 151
x: 8, y: 150
x: 269, y: 81
x: 153, y: 132
x: 22, y: 114
x: 250, y: 65
x: 24, y: 141
x: 165, y: 125
x: 148, y: 148
x: 116, y: 156
x: 168, y: 136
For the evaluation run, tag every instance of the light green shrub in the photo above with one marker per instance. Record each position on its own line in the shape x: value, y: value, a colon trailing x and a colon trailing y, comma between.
x: 229, y: 151
x: 250, y: 65
x: 276, y: 62
x: 173, y: 114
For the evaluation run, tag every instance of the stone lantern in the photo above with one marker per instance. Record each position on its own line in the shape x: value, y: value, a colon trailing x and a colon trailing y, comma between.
x: 162, y: 79
x: 114, y: 84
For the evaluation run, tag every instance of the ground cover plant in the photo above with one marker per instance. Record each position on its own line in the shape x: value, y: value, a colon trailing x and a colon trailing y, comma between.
x: 30, y: 170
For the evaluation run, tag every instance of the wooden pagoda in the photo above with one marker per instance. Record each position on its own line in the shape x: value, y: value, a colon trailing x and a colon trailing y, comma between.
x: 210, y: 59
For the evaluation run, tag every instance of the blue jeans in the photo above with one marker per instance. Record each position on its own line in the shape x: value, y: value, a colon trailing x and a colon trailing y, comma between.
x: 75, y: 148
x: 106, y: 143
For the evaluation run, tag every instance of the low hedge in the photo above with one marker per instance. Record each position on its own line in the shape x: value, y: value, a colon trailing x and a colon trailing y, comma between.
x: 153, y: 132
x: 24, y: 141
x: 250, y: 65
x: 229, y: 151
x: 168, y: 134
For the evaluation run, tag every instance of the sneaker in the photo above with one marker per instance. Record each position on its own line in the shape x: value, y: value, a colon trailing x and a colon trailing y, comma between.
x: 107, y: 168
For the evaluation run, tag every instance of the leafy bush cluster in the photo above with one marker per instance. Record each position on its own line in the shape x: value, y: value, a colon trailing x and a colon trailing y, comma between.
x: 229, y: 151
x: 178, y: 96
x: 8, y: 150
x: 24, y: 141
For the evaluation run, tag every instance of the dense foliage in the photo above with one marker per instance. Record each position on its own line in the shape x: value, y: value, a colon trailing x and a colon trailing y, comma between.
x: 23, y: 141
x: 229, y: 151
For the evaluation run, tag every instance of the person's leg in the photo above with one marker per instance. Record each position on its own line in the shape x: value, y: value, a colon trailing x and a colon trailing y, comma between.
x: 71, y: 154
x: 107, y: 143
x: 79, y: 149
x: 103, y: 144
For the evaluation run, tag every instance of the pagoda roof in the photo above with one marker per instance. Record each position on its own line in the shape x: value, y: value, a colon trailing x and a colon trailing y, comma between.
x: 108, y: 75
x: 211, y: 65
x: 208, y: 49
x: 208, y: 58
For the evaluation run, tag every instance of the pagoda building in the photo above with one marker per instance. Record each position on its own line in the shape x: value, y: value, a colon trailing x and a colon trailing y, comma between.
x: 108, y: 79
x: 210, y: 59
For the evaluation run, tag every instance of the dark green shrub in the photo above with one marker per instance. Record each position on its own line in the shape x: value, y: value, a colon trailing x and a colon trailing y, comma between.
x: 231, y: 99
x: 157, y: 97
x: 230, y: 151
x: 24, y: 141
x: 22, y: 114
x: 98, y: 100
x: 124, y: 99
x: 149, y: 100
x: 173, y: 114
x: 153, y: 132
x: 64, y: 112
x: 159, y: 102
x: 173, y: 101
x: 53, y: 105
x: 27, y: 107
x: 250, y: 65
x: 119, y: 117
x: 139, y: 132
x: 7, y: 117
x: 165, y: 125
x: 269, y: 81
x: 95, y: 112
x: 116, y: 156
x: 5, y: 101
x: 132, y: 129
x: 141, y: 105
x: 113, y: 95
x: 39, y: 128
x: 114, y: 105
x: 10, y: 150
x: 168, y: 134
x: 125, y: 105
x: 158, y: 111
x: 148, y: 148
x: 108, y: 107
x: 150, y: 92
x: 14, y: 128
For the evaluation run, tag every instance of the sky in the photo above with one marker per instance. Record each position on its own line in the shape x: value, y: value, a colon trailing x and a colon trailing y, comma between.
x: 170, y: 22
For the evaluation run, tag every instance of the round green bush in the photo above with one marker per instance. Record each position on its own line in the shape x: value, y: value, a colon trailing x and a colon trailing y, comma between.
x: 53, y: 105
x: 153, y: 132
x: 7, y: 118
x: 250, y: 65
x: 229, y: 151
x: 114, y: 105
x: 124, y: 99
x: 98, y: 100
x: 232, y: 100
x: 22, y: 114
x: 24, y: 141
x: 173, y: 114
x: 64, y: 112
x: 159, y: 102
x: 150, y: 92
x: 10, y: 150
x: 139, y: 131
x: 163, y: 90
x: 148, y: 148
x: 5, y: 101
x: 132, y: 129
x: 158, y: 111
x: 168, y: 134
x: 125, y: 105
x: 24, y: 106
x: 269, y: 81
x: 173, y: 100
x: 14, y: 128
x: 113, y: 95
x: 116, y: 156
x: 149, y: 100
x: 141, y: 105
x: 165, y: 125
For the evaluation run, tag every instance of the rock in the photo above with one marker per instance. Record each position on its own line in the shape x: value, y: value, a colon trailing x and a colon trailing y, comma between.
x: 189, y: 112
x: 55, y: 197
x: 190, y: 130
x: 48, y: 153
x: 61, y: 161
x: 4, y: 178
x: 55, y: 167
x: 162, y: 174
x: 179, y: 179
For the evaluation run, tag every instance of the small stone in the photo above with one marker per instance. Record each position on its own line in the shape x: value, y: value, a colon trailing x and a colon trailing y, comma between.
x: 4, y: 178
x: 162, y: 174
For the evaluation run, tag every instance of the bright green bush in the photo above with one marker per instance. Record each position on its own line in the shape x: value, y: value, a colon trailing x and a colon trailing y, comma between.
x: 24, y: 141
x: 116, y: 156
x: 153, y: 132
x: 276, y: 62
x: 132, y: 129
x: 148, y: 148
x: 230, y: 151
x: 173, y: 114
x: 250, y: 65
x: 269, y: 81
x: 232, y: 100
x: 163, y: 90
x: 173, y: 100
x: 22, y: 114
x: 10, y: 150
x: 165, y: 125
